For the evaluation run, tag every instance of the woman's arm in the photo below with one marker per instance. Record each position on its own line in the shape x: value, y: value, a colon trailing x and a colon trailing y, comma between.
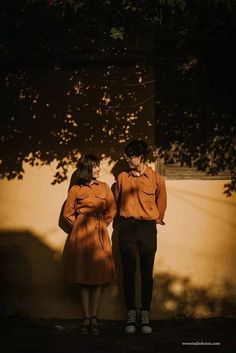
x: 70, y: 210
x: 110, y: 211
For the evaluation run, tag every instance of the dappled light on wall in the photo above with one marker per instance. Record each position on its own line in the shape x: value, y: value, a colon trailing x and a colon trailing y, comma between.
x: 178, y: 297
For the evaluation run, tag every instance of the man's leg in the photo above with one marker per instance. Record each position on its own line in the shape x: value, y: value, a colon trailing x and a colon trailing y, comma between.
x: 147, y: 245
x: 128, y: 248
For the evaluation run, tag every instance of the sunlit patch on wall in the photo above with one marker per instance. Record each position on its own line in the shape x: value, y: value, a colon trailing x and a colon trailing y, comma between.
x: 170, y: 305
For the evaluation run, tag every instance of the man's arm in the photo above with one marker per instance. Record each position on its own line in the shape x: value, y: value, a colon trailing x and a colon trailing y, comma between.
x: 161, y: 198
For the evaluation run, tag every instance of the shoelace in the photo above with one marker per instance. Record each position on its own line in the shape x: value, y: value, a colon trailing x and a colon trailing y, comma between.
x: 145, y: 317
x: 131, y: 316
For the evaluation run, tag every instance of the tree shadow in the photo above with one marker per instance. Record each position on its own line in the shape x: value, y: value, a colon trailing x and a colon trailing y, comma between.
x: 32, y: 279
x: 177, y: 297
x: 170, y: 80
x: 32, y: 285
x: 48, y: 124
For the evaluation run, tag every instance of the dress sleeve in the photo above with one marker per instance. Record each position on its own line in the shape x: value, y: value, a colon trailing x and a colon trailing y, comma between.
x: 70, y: 210
x: 161, y: 198
x: 110, y: 211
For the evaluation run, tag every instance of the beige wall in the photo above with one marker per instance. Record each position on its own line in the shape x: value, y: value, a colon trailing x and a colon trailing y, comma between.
x: 194, y: 269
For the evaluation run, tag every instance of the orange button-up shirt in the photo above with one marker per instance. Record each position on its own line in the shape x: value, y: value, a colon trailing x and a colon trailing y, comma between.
x: 95, y: 198
x: 142, y: 197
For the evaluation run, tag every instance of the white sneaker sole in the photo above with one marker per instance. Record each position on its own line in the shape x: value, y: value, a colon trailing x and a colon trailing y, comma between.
x: 130, y: 329
x: 146, y: 330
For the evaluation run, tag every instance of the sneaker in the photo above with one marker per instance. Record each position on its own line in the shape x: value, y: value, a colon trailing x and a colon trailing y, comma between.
x: 131, y: 322
x: 145, y: 322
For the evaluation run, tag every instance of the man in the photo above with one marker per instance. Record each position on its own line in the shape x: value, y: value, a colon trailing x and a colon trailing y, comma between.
x: 140, y: 195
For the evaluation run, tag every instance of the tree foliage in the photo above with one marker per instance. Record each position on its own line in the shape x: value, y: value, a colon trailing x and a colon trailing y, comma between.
x: 79, y: 75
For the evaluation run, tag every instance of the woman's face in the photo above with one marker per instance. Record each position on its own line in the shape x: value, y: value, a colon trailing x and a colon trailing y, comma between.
x: 95, y: 171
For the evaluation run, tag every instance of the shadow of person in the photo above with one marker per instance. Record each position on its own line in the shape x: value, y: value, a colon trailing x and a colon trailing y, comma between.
x: 118, y: 266
x: 119, y: 166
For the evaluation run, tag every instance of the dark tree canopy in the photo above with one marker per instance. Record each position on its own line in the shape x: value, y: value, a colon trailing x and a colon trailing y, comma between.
x: 79, y: 75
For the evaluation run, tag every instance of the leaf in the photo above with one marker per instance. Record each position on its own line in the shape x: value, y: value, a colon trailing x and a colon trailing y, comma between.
x: 117, y: 33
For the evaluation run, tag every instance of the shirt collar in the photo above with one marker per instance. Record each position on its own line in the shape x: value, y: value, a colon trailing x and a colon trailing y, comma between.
x: 146, y: 173
x: 95, y: 182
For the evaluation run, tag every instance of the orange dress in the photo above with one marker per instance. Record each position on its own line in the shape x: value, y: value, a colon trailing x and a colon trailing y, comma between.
x: 88, y: 254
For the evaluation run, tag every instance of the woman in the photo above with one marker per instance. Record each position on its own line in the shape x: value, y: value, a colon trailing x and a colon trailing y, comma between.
x: 89, y: 208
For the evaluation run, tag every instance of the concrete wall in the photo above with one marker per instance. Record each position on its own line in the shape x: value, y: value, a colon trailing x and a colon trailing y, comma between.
x: 194, y: 273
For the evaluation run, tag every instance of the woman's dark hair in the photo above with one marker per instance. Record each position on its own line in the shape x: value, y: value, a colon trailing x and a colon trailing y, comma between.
x: 85, y: 168
x: 137, y: 148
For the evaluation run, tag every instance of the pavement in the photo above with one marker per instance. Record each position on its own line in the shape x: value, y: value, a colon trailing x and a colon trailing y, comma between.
x: 62, y: 336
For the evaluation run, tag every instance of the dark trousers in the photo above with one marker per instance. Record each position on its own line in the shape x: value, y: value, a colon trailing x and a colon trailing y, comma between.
x: 141, y: 236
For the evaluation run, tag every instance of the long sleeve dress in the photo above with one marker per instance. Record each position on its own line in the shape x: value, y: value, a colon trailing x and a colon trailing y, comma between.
x: 88, y: 255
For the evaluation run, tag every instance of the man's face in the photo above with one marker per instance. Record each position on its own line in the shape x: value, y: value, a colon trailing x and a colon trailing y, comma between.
x: 134, y: 161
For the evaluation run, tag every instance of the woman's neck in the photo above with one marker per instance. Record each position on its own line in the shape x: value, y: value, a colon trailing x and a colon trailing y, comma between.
x: 92, y: 181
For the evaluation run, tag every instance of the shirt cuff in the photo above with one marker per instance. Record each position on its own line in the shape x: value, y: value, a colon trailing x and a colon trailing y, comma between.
x: 158, y: 221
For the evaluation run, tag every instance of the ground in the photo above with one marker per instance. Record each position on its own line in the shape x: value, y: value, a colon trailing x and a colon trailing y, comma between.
x: 61, y: 336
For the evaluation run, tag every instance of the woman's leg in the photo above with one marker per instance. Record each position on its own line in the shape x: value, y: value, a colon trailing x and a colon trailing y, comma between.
x: 84, y: 329
x: 85, y: 301
x: 95, y: 298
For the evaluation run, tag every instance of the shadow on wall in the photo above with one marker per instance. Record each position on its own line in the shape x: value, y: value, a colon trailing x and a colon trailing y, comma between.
x: 31, y: 276
x: 32, y: 285
x: 177, y: 297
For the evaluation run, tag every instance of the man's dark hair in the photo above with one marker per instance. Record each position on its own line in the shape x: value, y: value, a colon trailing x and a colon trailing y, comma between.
x: 137, y: 148
x: 85, y: 168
